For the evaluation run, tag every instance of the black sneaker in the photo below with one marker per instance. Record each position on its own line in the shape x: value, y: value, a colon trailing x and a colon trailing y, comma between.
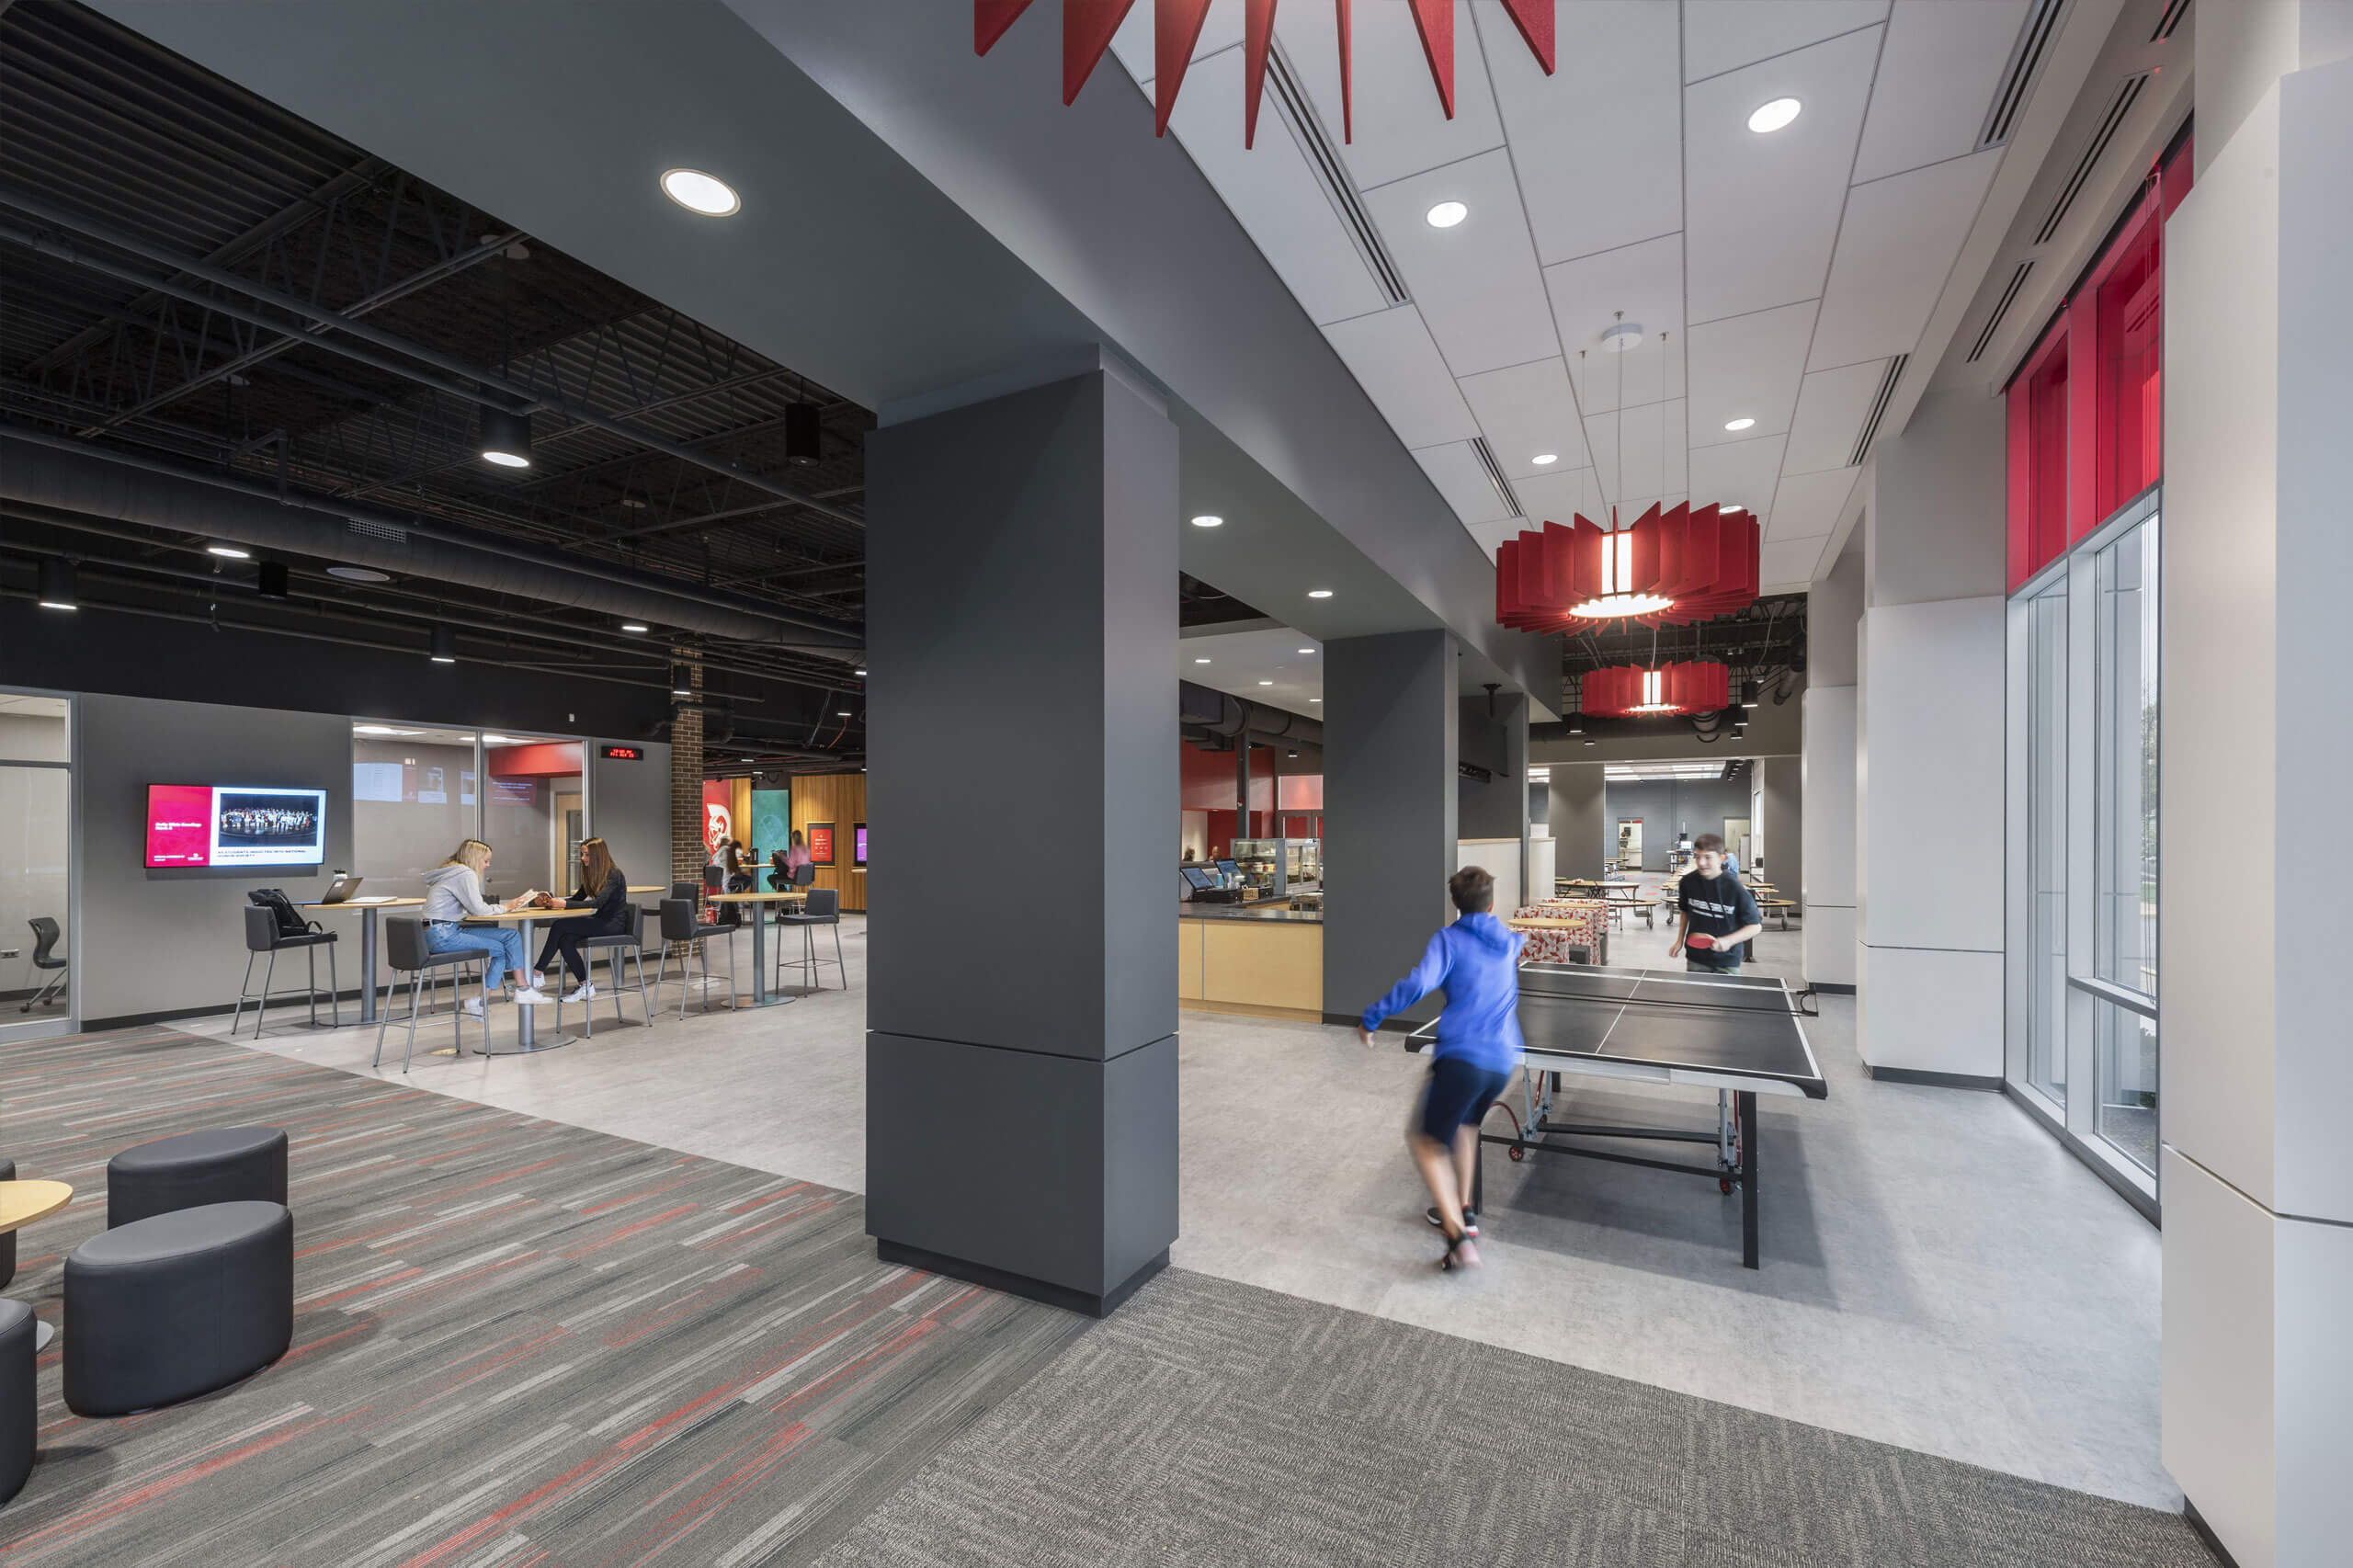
x: 1470, y: 1220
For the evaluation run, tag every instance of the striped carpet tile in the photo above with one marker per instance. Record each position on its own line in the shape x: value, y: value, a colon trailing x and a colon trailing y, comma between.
x: 516, y: 1342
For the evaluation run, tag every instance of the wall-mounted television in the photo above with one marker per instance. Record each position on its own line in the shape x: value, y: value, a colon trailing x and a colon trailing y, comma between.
x: 235, y: 825
x: 857, y: 845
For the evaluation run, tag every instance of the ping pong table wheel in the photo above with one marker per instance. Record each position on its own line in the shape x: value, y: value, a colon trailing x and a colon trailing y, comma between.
x: 1518, y: 1153
x: 1723, y: 1185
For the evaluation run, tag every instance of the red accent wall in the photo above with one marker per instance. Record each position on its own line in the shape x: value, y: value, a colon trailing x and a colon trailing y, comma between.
x: 1206, y: 783
x: 542, y: 759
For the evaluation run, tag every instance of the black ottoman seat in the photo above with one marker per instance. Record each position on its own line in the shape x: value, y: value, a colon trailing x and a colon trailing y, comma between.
x: 167, y: 1308
x: 230, y: 1164
x: 8, y: 1238
x: 16, y: 1397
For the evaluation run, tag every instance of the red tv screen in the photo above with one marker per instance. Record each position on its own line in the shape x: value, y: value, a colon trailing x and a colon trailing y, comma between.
x: 235, y: 825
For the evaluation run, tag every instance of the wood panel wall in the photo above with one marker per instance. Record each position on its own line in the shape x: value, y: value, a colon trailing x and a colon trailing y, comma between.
x: 839, y: 799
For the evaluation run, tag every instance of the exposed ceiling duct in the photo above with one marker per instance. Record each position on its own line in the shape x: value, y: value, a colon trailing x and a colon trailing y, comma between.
x: 39, y: 470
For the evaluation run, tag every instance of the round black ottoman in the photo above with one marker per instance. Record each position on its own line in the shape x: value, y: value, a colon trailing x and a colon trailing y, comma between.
x: 232, y: 1164
x: 16, y: 1397
x: 167, y: 1308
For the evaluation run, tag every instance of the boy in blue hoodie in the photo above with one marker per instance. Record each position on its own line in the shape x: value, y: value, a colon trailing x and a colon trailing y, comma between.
x: 1476, y: 962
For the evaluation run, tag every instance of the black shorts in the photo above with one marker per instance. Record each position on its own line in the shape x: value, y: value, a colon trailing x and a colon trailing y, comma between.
x: 1459, y: 1095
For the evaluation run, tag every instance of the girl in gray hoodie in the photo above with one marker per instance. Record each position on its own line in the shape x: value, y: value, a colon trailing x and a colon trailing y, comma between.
x: 453, y: 891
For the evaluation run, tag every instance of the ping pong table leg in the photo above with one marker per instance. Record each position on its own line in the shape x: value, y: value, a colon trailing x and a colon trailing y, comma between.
x: 1749, y: 1140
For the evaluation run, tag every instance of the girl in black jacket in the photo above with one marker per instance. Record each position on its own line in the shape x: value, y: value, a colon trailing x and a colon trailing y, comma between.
x: 603, y: 889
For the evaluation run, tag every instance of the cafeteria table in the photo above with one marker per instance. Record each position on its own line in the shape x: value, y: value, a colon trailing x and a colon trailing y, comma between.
x: 760, y: 997
x: 22, y: 1202
x: 368, y: 909
x: 526, y: 1025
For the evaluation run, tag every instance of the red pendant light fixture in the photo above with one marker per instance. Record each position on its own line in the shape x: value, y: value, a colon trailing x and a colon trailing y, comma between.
x: 1634, y: 691
x: 1669, y: 569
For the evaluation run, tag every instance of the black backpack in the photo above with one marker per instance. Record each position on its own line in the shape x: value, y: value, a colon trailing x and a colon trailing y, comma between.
x: 290, y: 919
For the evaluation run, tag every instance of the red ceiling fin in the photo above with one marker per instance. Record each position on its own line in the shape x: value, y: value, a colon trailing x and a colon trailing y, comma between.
x: 1348, y: 75
x: 1087, y: 27
x: 1534, y: 20
x: 991, y: 17
x: 1434, y: 19
x: 1257, y: 33
x: 1176, y: 28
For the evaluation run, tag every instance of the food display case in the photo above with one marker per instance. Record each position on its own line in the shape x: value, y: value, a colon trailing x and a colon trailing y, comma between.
x: 1303, y: 861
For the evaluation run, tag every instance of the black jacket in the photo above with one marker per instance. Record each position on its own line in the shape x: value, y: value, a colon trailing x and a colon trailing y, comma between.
x: 608, y: 901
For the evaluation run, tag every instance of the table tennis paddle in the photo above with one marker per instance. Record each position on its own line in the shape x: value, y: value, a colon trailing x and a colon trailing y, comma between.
x: 1700, y: 940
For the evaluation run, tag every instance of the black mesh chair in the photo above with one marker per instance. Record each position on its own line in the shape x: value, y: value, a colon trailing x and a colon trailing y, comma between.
x: 627, y: 942
x: 823, y: 908
x: 262, y: 936
x: 679, y: 924
x: 46, y: 955
x: 405, y: 952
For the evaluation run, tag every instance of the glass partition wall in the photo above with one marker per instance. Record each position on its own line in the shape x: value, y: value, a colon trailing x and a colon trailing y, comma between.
x: 36, y: 914
x: 417, y: 791
x: 2082, y: 847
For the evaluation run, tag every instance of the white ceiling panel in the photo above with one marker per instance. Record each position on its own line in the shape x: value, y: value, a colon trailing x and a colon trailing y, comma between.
x: 1272, y: 190
x: 1392, y: 357
x: 1764, y: 208
x: 1807, y: 504
x: 1737, y: 473
x: 1599, y: 145
x: 1832, y: 406
x: 1720, y: 35
x: 1222, y: 29
x: 1401, y: 128
x: 1655, y: 449
x: 1748, y: 367
x: 1643, y: 280
x: 1477, y: 284
x: 1894, y: 249
x: 1936, y: 77
x: 1490, y: 535
x: 1462, y: 478
x: 1526, y: 410
x: 1788, y: 564
x: 1559, y: 497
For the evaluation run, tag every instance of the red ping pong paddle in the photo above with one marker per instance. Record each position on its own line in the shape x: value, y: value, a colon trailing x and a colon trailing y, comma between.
x: 1700, y: 940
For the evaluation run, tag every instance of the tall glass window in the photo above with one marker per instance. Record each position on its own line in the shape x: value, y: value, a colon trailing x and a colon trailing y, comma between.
x: 36, y: 866
x: 2046, y: 1060
x: 413, y: 801
x: 2124, y: 851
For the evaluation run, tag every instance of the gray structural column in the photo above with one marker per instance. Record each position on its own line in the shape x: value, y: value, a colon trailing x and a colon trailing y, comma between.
x: 1389, y: 810
x: 1834, y: 613
x: 1497, y: 741
x: 1579, y: 836
x: 1021, y: 1068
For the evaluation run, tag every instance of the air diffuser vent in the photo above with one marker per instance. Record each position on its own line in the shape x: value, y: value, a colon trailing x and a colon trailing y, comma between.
x: 1323, y: 161
x: 2170, y: 20
x: 2127, y: 93
x: 366, y: 530
x: 1494, y: 473
x: 1879, y: 409
x: 2001, y: 312
x: 2035, y: 37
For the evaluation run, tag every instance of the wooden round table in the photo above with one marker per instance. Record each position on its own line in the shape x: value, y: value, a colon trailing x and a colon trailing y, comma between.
x: 22, y: 1202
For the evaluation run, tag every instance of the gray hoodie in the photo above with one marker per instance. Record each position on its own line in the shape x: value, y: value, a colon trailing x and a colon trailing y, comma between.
x: 453, y: 892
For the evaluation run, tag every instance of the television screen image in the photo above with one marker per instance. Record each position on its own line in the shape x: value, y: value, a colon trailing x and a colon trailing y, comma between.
x: 232, y: 825
x: 857, y: 845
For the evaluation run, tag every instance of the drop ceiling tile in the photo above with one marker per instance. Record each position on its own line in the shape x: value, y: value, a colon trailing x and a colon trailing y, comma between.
x: 1807, y: 504
x: 1655, y: 450
x: 1747, y: 368
x: 1936, y: 78
x: 1526, y: 410
x: 1489, y: 535
x: 1787, y: 565
x: 1832, y: 406
x: 1895, y: 250
x: 1401, y: 128
x: 1462, y: 478
x: 1737, y: 473
x: 1398, y: 366
x: 1597, y: 144
x: 1559, y: 497
x: 1646, y: 282
x: 1764, y: 208
x: 1477, y: 284
x: 1719, y: 35
x: 1272, y: 189
x: 1133, y: 43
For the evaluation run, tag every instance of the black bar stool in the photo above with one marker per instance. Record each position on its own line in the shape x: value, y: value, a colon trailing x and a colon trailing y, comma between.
x: 679, y: 924
x: 263, y: 936
x: 630, y: 942
x: 823, y: 908
x: 405, y: 952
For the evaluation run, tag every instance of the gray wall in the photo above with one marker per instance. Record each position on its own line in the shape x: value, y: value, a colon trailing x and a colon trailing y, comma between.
x: 1668, y: 807
x: 1932, y: 523
x: 1784, y: 789
x: 1390, y: 831
x: 1577, y: 847
x: 629, y: 807
x: 1832, y: 611
x: 1539, y: 807
x: 397, y: 842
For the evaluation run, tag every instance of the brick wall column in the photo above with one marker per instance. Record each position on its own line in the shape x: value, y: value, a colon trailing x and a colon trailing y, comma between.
x: 688, y: 855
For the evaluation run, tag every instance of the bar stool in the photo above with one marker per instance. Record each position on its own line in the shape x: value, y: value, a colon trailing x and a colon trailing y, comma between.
x: 630, y: 941
x: 679, y: 924
x: 262, y: 936
x: 823, y: 908
x: 405, y: 952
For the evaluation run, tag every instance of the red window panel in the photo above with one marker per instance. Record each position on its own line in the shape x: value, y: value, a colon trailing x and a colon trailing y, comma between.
x: 2037, y: 457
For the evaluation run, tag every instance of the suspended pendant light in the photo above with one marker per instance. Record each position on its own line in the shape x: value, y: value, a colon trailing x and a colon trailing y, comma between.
x: 1669, y: 569
x: 1630, y: 690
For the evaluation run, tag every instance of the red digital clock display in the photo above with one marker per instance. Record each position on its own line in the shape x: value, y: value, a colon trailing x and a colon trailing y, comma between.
x: 626, y: 754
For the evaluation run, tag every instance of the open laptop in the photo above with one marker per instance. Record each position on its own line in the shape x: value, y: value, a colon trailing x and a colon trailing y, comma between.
x: 342, y: 888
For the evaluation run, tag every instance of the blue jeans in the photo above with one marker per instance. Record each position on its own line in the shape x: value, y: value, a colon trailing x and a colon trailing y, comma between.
x: 503, y: 945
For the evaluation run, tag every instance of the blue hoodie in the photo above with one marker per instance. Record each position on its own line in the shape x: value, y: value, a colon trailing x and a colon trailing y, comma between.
x: 1476, y: 962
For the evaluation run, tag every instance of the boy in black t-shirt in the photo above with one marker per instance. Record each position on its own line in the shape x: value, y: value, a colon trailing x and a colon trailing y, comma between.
x: 1719, y: 912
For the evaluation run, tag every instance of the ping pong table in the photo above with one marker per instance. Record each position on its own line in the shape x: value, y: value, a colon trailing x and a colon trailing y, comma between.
x: 1740, y: 1035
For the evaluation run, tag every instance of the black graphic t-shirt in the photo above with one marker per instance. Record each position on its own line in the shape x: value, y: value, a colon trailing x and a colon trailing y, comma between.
x: 1719, y: 906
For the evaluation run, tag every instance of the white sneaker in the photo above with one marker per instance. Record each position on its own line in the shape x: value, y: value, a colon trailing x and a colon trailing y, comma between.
x: 586, y: 992
x: 470, y: 1007
x: 532, y: 996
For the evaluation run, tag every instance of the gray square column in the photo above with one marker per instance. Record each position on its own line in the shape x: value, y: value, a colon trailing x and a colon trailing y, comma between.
x: 1022, y: 783
x: 1390, y: 736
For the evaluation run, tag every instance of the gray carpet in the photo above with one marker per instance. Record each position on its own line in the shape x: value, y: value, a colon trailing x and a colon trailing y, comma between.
x: 1211, y: 1423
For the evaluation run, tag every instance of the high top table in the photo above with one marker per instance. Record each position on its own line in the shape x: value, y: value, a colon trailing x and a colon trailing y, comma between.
x: 526, y: 1034
x: 760, y: 997
x: 369, y: 908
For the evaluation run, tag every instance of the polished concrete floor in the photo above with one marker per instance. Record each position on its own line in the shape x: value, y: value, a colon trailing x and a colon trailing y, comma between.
x: 1937, y: 1273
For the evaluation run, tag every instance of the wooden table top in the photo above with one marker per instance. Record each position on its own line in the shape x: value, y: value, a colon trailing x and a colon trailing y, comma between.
x: 561, y: 911
x: 22, y: 1202
x: 753, y: 897
x: 370, y: 903
x: 1543, y: 923
x: 649, y: 887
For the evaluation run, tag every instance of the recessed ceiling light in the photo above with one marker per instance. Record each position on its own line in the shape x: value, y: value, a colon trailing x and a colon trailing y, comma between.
x: 1266, y: 682
x: 1545, y: 460
x: 507, y: 460
x: 1738, y: 424
x: 634, y: 626
x: 858, y: 672
x: 1307, y: 650
x: 842, y: 713
x: 1314, y: 700
x: 228, y: 552
x: 1447, y: 214
x: 1588, y: 742
x: 1319, y: 593
x: 699, y: 192
x: 1200, y: 660
x: 1774, y: 115
x: 1208, y: 520
x: 359, y: 574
